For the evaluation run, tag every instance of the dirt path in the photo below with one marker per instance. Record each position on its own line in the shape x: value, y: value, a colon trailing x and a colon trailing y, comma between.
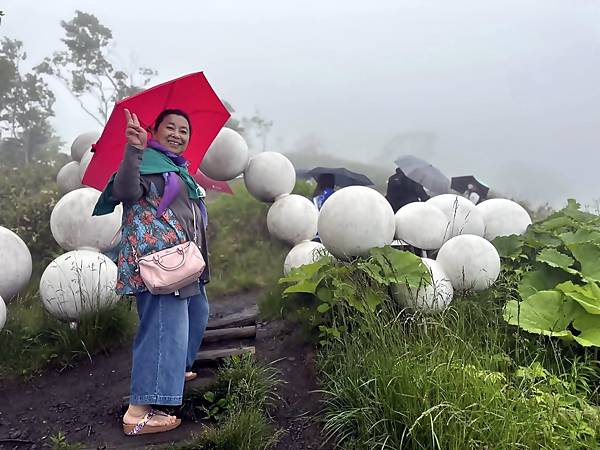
x: 84, y: 402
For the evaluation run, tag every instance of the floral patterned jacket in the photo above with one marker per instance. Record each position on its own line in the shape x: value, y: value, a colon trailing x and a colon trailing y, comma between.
x: 146, y: 234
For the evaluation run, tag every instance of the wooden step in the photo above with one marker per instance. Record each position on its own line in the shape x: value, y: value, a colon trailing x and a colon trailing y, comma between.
x: 244, y: 318
x: 208, y: 356
x: 225, y: 334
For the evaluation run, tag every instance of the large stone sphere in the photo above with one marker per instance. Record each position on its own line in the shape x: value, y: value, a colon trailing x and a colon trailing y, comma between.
x: 269, y: 175
x: 83, y: 165
x: 354, y: 220
x: 470, y: 262
x: 227, y: 156
x: 69, y: 178
x: 503, y: 217
x: 15, y: 270
x: 83, y: 143
x: 2, y: 313
x: 421, y: 225
x: 463, y: 216
x: 432, y: 295
x: 293, y: 219
x: 74, y: 227
x: 78, y: 282
x: 305, y: 252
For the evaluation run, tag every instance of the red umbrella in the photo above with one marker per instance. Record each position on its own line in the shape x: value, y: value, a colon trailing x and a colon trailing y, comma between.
x: 210, y: 184
x: 190, y: 93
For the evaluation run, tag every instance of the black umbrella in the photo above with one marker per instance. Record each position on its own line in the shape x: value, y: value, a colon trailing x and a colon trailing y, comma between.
x: 424, y: 173
x: 461, y: 184
x: 343, y: 177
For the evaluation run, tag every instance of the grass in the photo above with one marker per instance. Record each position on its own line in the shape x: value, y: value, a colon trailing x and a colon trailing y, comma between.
x: 243, y: 256
x: 463, y: 379
x: 32, y: 340
x: 237, y: 401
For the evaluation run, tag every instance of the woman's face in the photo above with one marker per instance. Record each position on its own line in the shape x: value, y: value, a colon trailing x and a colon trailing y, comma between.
x: 173, y: 133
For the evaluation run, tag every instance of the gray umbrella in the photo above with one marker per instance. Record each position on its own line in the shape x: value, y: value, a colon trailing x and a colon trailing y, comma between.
x: 424, y: 173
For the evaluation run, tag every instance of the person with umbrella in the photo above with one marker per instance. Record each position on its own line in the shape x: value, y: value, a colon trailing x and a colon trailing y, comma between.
x: 401, y: 190
x: 325, y: 187
x: 470, y: 187
x: 162, y: 206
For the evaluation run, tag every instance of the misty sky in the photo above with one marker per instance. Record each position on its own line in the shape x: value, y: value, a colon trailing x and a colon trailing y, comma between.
x: 509, y: 90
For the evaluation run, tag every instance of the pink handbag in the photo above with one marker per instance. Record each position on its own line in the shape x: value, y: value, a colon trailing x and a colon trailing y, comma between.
x: 168, y: 270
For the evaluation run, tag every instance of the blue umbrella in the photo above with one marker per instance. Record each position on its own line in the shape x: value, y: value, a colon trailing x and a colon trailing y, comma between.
x: 425, y: 174
x: 343, y: 177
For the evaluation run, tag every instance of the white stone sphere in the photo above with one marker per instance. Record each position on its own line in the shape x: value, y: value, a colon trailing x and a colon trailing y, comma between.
x: 227, y: 157
x: 15, y: 270
x: 269, y: 175
x: 69, y: 178
x: 470, y: 262
x: 74, y: 227
x: 354, y: 220
x: 503, y: 217
x: 463, y: 216
x: 421, y: 225
x: 293, y: 218
x: 305, y: 252
x: 83, y: 165
x: 78, y: 282
x: 83, y: 143
x: 432, y: 295
x: 2, y: 313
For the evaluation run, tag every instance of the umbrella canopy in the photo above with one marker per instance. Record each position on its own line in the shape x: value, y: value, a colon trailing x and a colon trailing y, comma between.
x: 212, y: 185
x: 190, y: 93
x: 425, y: 174
x: 461, y: 184
x: 342, y: 176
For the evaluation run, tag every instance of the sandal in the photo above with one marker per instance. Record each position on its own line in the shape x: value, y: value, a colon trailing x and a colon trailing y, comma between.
x: 142, y: 426
x: 190, y: 376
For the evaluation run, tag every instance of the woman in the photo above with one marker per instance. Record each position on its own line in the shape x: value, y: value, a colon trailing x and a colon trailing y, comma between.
x: 325, y: 187
x: 161, y: 206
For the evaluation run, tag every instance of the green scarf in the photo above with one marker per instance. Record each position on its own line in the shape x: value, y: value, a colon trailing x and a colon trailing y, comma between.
x: 153, y: 162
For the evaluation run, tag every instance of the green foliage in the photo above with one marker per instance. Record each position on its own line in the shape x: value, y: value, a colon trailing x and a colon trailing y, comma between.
x: 241, y: 384
x: 59, y: 442
x: 248, y: 430
x: 87, y: 69
x: 457, y: 380
x: 243, y: 256
x: 27, y: 196
x: 332, y: 286
x: 27, y: 101
x: 557, y: 264
x: 237, y: 401
x: 32, y: 340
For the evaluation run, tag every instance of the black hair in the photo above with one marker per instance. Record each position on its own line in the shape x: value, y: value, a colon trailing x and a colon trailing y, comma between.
x: 178, y: 112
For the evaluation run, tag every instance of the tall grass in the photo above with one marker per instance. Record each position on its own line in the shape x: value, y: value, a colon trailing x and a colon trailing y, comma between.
x: 459, y: 380
x: 33, y: 340
x: 243, y: 256
x: 238, y: 400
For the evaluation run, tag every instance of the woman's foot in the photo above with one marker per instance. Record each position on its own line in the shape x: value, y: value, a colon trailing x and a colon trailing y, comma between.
x: 189, y: 376
x: 136, y: 413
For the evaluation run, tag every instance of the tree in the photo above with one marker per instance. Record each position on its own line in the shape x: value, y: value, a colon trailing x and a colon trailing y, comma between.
x: 87, y: 69
x: 260, y: 125
x: 25, y: 130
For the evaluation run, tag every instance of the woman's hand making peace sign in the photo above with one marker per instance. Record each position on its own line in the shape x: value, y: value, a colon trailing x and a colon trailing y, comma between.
x: 136, y: 135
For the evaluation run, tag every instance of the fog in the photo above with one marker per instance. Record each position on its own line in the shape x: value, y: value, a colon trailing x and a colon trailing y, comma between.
x: 507, y: 90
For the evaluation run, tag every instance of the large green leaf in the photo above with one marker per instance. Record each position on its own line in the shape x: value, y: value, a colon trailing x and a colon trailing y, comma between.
x: 306, y: 279
x: 589, y: 326
x: 542, y: 278
x: 559, y: 221
x: 398, y: 267
x: 588, y: 255
x: 509, y: 246
x: 554, y: 258
x: 579, y: 236
x: 548, y: 313
x: 587, y: 295
x: 538, y: 239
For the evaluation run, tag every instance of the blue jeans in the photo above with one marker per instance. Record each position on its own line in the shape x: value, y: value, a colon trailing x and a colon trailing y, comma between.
x: 169, y: 335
